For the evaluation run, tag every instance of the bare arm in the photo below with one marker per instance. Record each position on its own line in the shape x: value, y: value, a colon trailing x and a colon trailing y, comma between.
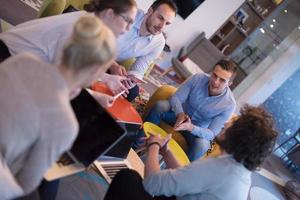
x: 170, y: 160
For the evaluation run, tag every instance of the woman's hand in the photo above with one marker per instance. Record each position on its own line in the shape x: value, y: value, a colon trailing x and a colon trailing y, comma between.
x: 104, y: 100
x: 161, y: 142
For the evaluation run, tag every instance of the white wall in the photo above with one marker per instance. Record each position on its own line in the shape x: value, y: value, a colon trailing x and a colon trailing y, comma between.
x: 208, y: 17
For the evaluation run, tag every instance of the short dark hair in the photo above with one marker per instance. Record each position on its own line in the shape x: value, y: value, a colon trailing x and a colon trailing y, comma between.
x: 170, y: 3
x: 251, y: 137
x: 228, y: 65
x: 118, y: 6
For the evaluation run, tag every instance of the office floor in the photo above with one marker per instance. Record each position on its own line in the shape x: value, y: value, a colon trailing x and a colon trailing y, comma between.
x: 90, y: 186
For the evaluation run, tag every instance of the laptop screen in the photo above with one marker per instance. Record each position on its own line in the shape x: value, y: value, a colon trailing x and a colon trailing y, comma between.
x: 122, y: 149
x: 98, y: 131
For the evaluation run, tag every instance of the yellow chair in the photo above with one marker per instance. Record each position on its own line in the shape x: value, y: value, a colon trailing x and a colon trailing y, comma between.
x: 4, y: 26
x: 174, y: 147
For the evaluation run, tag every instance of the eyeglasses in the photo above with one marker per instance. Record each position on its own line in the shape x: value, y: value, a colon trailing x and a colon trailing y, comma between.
x: 128, y: 20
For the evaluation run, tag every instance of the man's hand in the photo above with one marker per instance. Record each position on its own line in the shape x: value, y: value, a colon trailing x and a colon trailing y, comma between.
x: 185, y: 125
x: 181, y: 117
x: 117, y: 69
x: 163, y: 142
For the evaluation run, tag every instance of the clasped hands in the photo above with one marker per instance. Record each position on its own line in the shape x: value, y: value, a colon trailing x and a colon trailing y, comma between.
x: 183, y: 123
x: 161, y: 142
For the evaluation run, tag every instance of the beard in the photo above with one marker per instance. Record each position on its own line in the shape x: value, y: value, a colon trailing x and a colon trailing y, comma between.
x: 150, y: 27
x: 149, y: 24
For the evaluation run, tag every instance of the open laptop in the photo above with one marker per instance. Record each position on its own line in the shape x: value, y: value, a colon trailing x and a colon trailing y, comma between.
x: 98, y: 133
x: 116, y: 159
x: 122, y: 149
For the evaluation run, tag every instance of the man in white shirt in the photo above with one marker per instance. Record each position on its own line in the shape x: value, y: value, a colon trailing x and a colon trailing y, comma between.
x: 144, y: 41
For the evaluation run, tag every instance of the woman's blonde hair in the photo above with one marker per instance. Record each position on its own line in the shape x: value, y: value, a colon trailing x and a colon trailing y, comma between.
x: 92, y: 43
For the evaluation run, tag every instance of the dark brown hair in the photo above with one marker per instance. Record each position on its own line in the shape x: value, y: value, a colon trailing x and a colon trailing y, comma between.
x: 170, y: 3
x: 118, y: 6
x: 251, y: 137
x: 228, y: 65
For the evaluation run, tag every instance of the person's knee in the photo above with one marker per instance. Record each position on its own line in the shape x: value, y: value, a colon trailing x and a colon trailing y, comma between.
x: 161, y: 106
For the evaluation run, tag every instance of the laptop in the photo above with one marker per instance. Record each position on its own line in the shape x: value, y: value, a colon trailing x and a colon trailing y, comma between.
x: 98, y: 133
x: 116, y: 159
x: 122, y: 149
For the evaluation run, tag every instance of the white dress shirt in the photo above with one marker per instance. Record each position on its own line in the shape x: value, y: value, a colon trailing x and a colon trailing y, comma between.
x: 144, y: 48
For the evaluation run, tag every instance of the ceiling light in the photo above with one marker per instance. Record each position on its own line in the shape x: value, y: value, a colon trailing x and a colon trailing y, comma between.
x: 285, y: 11
x: 262, y: 30
x: 274, y: 20
x: 272, y: 25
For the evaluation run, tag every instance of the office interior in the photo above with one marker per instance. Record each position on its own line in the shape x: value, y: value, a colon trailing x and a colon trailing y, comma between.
x: 267, y: 50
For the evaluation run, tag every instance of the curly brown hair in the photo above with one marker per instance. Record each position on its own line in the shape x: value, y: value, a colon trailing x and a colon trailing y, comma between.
x: 250, y: 138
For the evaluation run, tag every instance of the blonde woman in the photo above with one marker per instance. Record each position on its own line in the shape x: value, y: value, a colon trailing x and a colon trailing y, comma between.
x: 37, y: 123
x: 46, y: 37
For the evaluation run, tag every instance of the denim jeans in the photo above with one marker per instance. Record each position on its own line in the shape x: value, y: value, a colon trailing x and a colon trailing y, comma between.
x: 161, y: 111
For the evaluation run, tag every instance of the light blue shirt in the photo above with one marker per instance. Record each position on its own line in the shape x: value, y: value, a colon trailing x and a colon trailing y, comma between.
x: 144, y: 48
x: 208, y: 113
x: 209, y: 179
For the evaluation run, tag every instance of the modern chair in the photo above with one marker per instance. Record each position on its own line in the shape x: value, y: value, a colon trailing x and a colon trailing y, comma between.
x: 56, y: 7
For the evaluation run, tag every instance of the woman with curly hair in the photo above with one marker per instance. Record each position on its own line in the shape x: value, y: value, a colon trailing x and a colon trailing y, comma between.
x: 245, y: 143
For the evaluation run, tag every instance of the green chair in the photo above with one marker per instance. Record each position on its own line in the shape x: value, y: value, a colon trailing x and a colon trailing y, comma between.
x: 4, y: 26
x: 56, y: 7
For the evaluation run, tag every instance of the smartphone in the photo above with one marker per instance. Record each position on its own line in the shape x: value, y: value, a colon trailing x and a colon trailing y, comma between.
x: 185, y: 120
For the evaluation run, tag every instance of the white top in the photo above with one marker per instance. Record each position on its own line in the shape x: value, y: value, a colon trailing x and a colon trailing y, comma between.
x: 44, y: 37
x: 209, y: 179
x: 37, y: 123
x: 144, y: 48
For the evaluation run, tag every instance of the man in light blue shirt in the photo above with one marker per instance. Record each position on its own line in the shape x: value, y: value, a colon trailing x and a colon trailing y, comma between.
x: 144, y: 41
x: 199, y: 108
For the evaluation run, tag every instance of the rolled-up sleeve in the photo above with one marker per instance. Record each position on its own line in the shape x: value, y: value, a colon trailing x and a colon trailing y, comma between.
x: 142, y: 63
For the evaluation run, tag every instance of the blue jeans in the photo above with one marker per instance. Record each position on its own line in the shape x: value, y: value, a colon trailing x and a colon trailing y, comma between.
x: 161, y: 111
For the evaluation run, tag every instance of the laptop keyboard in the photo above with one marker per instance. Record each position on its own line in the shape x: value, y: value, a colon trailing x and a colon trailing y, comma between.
x: 65, y: 159
x: 112, y: 169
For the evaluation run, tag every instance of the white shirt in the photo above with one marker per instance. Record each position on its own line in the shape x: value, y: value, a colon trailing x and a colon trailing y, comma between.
x: 37, y: 122
x: 43, y: 37
x: 219, y: 178
x: 144, y: 48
